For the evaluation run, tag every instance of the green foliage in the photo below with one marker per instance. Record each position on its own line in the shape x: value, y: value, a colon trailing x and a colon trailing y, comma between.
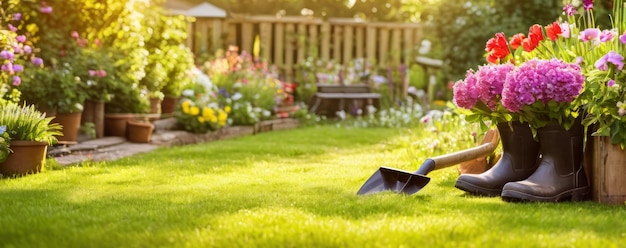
x: 57, y: 89
x: 24, y: 122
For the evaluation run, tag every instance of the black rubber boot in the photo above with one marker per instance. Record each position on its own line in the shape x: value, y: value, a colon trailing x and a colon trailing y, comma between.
x: 560, y: 175
x: 519, y: 160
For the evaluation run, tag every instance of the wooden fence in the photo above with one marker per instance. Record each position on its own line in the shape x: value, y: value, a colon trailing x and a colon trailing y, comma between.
x: 285, y: 41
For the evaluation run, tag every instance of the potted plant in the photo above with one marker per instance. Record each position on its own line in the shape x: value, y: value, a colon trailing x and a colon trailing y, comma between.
x: 28, y: 133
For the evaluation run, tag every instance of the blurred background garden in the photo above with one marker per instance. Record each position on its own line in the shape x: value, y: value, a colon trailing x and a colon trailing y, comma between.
x: 240, y: 62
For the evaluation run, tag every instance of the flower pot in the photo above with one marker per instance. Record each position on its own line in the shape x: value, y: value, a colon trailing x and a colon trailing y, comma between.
x: 139, y: 132
x: 93, y: 111
x: 607, y: 171
x: 71, y: 125
x: 168, y: 105
x: 28, y: 157
x: 115, y: 124
x: 155, y: 105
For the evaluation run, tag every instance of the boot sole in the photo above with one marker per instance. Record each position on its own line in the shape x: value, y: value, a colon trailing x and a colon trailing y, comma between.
x: 577, y: 194
x: 477, y: 190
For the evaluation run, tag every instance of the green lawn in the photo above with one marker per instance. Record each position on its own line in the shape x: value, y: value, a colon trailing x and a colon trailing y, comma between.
x: 294, y: 188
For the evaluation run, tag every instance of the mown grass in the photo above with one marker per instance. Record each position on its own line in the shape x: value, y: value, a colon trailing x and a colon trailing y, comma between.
x: 293, y: 188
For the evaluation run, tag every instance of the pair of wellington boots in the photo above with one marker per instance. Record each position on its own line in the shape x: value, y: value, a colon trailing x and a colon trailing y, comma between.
x: 548, y: 170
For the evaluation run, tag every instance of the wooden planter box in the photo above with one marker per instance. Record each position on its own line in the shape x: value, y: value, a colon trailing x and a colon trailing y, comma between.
x: 606, y: 170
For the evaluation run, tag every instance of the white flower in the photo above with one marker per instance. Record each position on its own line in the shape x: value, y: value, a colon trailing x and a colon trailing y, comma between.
x: 237, y: 96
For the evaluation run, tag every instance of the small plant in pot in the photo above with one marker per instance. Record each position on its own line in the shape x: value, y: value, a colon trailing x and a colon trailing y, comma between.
x: 24, y: 130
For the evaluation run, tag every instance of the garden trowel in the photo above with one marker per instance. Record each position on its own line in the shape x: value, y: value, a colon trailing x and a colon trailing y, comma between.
x: 399, y: 181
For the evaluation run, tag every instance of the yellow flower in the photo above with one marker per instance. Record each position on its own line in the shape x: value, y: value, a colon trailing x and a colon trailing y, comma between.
x: 194, y: 110
x: 222, y: 116
x: 227, y: 109
x: 201, y: 119
x: 207, y: 112
x: 185, y: 106
x: 213, y: 119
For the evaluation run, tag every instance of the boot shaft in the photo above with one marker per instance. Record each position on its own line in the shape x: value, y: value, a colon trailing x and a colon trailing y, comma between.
x: 519, y: 145
x: 562, y: 147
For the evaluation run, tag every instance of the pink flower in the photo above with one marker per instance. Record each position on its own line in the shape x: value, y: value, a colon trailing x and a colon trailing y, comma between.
x: 465, y: 93
x: 75, y: 35
x: 17, y: 16
x: 565, y: 29
x: 21, y: 38
x: 92, y: 73
x: 17, y: 80
x: 622, y: 38
x: 589, y: 34
x: 12, y: 28
x: 610, y: 83
x: 569, y: 10
x: 606, y: 35
x: 588, y: 4
x: 490, y: 82
x: 28, y: 49
x: 541, y: 81
x: 613, y: 58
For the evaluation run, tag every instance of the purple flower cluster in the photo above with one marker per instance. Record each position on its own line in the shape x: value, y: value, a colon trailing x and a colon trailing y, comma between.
x: 485, y: 85
x: 542, y: 81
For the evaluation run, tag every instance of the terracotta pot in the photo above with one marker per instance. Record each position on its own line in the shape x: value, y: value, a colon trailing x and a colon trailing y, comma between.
x: 28, y: 157
x: 155, y: 105
x: 168, y: 105
x: 71, y: 125
x: 139, y: 132
x: 115, y: 124
x: 93, y: 111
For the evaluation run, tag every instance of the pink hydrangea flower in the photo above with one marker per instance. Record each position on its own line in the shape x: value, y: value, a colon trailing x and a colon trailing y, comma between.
x: 542, y: 81
x: 490, y: 82
x: 465, y: 93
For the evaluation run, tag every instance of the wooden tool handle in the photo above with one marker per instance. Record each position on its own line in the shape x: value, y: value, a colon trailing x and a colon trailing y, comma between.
x: 447, y: 160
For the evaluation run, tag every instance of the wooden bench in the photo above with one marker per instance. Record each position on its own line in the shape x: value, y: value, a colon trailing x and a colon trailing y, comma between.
x: 331, y: 98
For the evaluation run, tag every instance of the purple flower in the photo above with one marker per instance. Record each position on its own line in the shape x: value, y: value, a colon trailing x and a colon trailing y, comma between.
x: 18, y: 68
x: 613, y: 58
x: 541, y: 81
x: 12, y: 28
x: 7, y: 55
x: 17, y: 16
x: 7, y: 67
x: 46, y: 9
x: 17, y: 80
x: 610, y: 83
x: 588, y: 4
x: 589, y: 34
x: 622, y: 38
x: 21, y: 38
x: 465, y: 93
x: 28, y: 49
x: 36, y: 61
x: 606, y: 35
x: 569, y: 10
